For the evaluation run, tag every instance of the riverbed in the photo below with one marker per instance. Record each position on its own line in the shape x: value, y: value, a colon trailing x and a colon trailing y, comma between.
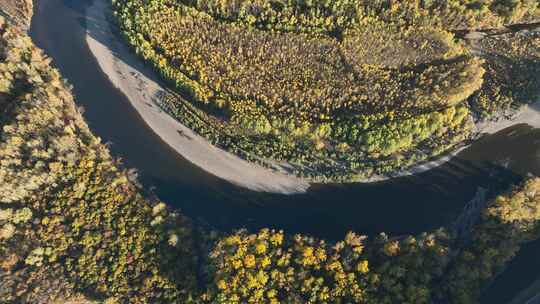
x: 406, y: 205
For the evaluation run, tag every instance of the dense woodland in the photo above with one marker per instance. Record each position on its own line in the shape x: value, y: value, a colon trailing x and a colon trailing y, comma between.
x: 269, y: 267
x: 70, y: 219
x: 337, y: 90
x: 74, y: 226
x: 511, y: 62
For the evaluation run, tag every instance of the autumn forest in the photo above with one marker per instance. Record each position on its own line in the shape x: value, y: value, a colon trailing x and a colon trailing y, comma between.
x: 334, y: 91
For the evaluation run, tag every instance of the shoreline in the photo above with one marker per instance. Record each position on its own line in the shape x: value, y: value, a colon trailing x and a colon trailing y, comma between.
x: 123, y: 69
x: 128, y: 73
x: 527, y: 114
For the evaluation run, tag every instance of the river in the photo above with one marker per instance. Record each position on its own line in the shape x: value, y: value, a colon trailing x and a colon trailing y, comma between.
x: 407, y: 205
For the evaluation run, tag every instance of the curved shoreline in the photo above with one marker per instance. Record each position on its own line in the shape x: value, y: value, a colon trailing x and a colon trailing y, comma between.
x: 124, y: 70
x: 129, y: 75
x: 527, y: 114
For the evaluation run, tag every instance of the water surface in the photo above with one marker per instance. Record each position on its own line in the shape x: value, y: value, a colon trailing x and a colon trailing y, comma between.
x: 407, y: 205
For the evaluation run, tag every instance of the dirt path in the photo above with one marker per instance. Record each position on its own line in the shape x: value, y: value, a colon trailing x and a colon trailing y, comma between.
x: 128, y: 73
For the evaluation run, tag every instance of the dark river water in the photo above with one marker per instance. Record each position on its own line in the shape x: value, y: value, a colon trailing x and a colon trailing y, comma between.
x: 406, y: 205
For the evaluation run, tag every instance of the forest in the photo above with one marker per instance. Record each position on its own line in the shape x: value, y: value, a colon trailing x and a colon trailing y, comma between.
x: 319, y: 88
x: 76, y: 226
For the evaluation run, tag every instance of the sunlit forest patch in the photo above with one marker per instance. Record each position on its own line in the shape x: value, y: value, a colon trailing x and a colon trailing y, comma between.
x: 76, y: 227
x: 319, y: 88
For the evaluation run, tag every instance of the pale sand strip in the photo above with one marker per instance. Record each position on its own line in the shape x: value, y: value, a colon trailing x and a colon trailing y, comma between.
x: 529, y: 114
x: 123, y: 69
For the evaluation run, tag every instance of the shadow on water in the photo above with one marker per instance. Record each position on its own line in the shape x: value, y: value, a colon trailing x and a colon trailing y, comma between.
x: 521, y: 272
x: 405, y: 205
x: 401, y: 206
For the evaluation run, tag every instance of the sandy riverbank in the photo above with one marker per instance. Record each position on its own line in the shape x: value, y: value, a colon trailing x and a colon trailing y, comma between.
x: 128, y: 73
x: 529, y: 114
